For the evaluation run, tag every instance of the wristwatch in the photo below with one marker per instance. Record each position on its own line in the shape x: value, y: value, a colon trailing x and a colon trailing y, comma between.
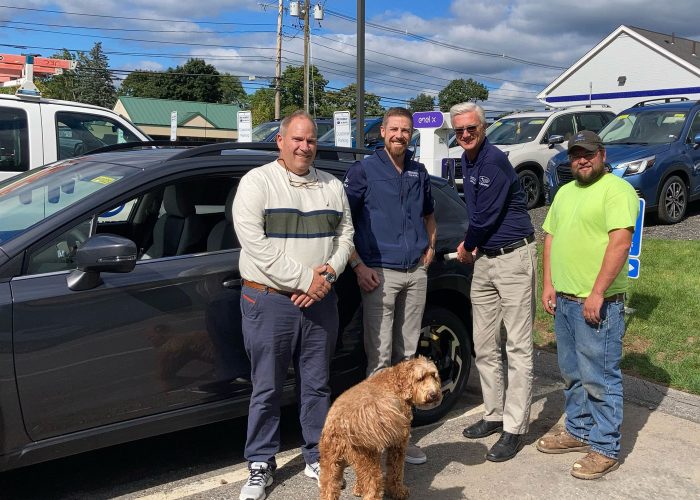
x: 355, y: 262
x: 330, y: 277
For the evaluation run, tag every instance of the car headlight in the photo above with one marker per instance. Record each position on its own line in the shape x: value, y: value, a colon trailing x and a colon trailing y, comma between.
x: 637, y: 166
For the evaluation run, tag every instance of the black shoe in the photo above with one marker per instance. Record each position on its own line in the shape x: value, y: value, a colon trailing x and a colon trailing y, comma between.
x: 482, y: 429
x: 507, y: 446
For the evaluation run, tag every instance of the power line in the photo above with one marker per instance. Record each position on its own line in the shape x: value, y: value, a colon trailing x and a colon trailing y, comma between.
x: 136, y: 29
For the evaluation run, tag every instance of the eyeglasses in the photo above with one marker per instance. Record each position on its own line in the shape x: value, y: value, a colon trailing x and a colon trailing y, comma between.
x: 303, y: 184
x: 471, y: 129
x: 588, y: 156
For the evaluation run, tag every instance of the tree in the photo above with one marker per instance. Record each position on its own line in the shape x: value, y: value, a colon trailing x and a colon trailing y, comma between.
x: 460, y: 91
x: 262, y: 105
x: 292, y: 89
x: 144, y: 84
x: 63, y: 86
x: 232, y: 91
x: 422, y: 102
x: 346, y: 99
x: 193, y: 81
x: 94, y: 83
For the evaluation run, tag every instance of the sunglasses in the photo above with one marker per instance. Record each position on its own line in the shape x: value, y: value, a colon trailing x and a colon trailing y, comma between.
x: 588, y: 156
x: 471, y: 129
x: 303, y: 184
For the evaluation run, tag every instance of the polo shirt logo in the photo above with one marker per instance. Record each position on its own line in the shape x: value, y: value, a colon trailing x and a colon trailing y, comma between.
x: 484, y: 181
x: 472, y: 179
x: 410, y: 173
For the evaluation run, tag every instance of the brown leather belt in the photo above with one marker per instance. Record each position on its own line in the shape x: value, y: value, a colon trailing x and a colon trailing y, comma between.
x: 264, y: 288
x: 508, y: 248
x: 618, y: 297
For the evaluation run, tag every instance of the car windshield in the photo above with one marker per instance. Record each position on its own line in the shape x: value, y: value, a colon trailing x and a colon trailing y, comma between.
x: 32, y: 197
x: 653, y: 126
x: 515, y: 130
x: 329, y: 137
x: 262, y: 131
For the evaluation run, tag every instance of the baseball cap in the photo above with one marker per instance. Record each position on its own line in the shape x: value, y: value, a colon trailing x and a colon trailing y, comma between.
x: 585, y: 139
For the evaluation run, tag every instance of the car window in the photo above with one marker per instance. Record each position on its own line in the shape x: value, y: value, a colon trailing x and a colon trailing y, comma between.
x: 653, y: 126
x: 516, y: 130
x: 561, y: 125
x: 14, y: 140
x: 40, y: 193
x: 694, y: 129
x: 59, y: 253
x: 592, y: 121
x: 79, y: 133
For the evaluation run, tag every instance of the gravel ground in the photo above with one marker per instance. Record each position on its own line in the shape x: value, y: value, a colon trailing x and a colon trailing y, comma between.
x: 687, y: 229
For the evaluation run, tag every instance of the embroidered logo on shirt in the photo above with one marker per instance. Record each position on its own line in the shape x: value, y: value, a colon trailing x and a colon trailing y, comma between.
x: 472, y: 179
x: 484, y: 181
x: 412, y: 174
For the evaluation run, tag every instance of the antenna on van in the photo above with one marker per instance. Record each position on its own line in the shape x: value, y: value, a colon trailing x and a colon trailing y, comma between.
x: 590, y: 93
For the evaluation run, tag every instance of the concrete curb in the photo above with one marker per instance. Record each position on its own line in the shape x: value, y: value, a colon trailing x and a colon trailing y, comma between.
x: 641, y: 392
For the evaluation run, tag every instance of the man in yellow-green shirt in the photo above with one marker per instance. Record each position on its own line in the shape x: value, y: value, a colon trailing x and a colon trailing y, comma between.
x: 588, y: 236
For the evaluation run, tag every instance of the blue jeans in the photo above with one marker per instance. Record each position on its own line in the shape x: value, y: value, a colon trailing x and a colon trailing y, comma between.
x: 589, y: 360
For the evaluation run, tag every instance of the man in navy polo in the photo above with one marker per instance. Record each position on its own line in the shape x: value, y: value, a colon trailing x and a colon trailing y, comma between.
x: 395, y: 233
x: 500, y: 242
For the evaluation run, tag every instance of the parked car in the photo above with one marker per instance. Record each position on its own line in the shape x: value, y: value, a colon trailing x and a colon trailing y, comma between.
x: 524, y: 137
x: 655, y: 146
x: 267, y: 131
x: 35, y: 131
x: 119, y: 299
x: 373, y: 136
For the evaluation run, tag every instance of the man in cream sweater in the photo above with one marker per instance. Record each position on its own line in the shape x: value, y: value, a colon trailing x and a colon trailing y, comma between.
x: 295, y: 229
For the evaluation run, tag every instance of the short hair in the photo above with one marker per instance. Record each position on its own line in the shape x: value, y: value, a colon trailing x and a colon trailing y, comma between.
x: 397, y: 112
x: 468, y: 107
x: 299, y: 113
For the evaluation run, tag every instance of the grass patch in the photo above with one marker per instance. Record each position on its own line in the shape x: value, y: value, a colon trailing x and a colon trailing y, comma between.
x: 662, y: 341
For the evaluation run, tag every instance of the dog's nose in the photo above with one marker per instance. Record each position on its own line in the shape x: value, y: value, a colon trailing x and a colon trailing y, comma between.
x: 433, y: 396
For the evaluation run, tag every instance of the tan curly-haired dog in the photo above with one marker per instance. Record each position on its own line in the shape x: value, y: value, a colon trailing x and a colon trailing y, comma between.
x: 373, y: 416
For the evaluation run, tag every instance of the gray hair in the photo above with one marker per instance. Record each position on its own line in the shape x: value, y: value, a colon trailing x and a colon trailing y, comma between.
x: 299, y: 113
x: 468, y: 107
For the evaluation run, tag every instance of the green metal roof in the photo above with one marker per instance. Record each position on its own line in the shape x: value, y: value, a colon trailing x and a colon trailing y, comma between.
x: 146, y: 111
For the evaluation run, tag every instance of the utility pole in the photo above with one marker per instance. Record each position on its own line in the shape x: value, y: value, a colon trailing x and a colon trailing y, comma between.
x: 360, y: 105
x: 306, y: 55
x: 278, y: 63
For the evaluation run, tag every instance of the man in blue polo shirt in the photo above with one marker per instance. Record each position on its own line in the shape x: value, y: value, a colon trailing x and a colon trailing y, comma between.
x: 395, y: 233
x: 500, y: 243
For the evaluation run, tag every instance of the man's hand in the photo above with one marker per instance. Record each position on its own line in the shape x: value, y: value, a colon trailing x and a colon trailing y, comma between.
x: 463, y: 256
x: 549, y: 299
x: 591, y: 308
x: 427, y: 257
x: 367, y: 278
x: 319, y: 288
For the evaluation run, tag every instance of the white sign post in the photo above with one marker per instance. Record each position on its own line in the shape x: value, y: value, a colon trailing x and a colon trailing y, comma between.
x: 343, y: 130
x: 245, y: 126
x: 173, y: 126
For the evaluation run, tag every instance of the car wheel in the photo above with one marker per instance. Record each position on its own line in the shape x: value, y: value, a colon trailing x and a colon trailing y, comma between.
x: 673, y: 200
x: 532, y: 186
x: 445, y: 340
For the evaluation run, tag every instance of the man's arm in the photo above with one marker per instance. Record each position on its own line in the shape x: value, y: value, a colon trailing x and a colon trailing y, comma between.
x: 431, y: 228
x: 549, y: 295
x: 616, y: 253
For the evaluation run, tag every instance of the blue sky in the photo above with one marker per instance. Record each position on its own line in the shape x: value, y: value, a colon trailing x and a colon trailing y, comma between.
x: 514, y: 47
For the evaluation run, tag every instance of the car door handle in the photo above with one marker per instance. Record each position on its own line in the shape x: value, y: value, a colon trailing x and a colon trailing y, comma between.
x: 235, y: 283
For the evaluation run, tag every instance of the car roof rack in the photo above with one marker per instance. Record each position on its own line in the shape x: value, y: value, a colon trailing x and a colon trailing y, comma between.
x: 660, y: 100
x: 323, y: 152
x: 589, y: 106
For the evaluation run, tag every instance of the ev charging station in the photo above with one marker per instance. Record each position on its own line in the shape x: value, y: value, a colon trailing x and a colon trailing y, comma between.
x: 434, y: 128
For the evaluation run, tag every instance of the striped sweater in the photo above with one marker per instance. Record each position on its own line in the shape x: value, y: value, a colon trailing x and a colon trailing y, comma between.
x: 286, y: 231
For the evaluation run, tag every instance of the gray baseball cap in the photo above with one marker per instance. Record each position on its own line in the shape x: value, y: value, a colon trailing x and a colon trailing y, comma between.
x: 585, y: 139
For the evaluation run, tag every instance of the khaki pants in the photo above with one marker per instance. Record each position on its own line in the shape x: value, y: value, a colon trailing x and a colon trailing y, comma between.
x: 503, y: 289
x: 392, y: 316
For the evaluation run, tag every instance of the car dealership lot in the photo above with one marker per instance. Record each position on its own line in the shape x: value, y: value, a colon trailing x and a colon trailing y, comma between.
x: 661, y: 440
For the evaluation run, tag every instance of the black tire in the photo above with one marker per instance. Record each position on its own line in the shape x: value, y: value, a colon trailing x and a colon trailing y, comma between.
x: 673, y: 200
x: 532, y: 186
x: 445, y: 340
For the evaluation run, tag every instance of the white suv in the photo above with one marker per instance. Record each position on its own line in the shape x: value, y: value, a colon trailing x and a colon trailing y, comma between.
x: 35, y: 131
x: 530, y: 139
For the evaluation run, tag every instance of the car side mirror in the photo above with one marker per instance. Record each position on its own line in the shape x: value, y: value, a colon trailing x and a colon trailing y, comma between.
x: 555, y: 139
x: 101, y: 253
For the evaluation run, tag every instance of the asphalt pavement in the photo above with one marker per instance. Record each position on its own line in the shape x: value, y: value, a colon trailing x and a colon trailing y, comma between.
x: 659, y: 459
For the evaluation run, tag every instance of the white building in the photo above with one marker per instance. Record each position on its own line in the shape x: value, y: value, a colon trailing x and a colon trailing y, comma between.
x: 630, y: 65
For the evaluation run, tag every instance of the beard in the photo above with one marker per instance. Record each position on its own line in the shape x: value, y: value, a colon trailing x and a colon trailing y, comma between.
x: 590, y: 177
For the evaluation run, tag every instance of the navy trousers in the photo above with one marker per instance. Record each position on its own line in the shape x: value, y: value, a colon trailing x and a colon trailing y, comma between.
x: 277, y: 333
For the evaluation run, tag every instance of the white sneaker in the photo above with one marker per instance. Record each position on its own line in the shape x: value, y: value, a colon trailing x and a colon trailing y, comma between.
x: 414, y: 455
x: 259, y: 479
x: 313, y: 471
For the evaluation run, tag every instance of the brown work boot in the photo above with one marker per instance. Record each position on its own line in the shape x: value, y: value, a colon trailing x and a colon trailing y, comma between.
x: 562, y: 442
x: 593, y: 466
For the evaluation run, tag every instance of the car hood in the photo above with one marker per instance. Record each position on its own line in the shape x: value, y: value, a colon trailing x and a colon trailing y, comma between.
x: 616, y: 154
